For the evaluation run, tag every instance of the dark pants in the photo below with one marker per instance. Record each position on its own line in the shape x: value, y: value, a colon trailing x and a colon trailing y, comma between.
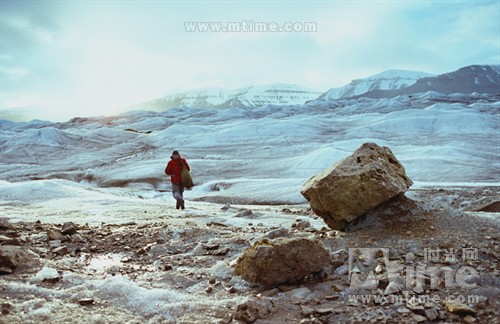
x: 177, y: 191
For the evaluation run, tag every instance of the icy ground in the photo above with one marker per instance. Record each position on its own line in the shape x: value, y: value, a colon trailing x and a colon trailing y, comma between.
x: 250, y: 156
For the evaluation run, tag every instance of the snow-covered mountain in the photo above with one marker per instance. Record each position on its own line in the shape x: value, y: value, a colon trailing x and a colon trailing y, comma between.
x: 469, y: 79
x: 387, y: 80
x: 254, y: 96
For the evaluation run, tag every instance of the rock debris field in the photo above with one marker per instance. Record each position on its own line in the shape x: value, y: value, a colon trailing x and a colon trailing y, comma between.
x: 428, y: 256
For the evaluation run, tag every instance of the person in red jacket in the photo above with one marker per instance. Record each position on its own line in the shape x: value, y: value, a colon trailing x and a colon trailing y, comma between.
x: 173, y: 169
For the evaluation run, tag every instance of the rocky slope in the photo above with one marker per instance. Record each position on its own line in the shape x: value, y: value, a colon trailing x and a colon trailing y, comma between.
x: 178, y: 267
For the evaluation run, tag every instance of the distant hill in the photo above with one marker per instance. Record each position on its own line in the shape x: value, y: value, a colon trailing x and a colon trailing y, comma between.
x: 387, y: 80
x: 254, y: 96
x: 469, y: 79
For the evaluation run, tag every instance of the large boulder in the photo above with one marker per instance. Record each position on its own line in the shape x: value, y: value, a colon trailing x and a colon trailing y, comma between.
x: 283, y: 260
x: 354, y: 186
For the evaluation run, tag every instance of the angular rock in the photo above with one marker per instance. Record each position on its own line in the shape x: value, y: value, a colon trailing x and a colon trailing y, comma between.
x: 431, y: 314
x: 459, y: 308
x: 5, y: 240
x: 86, y: 301
x: 282, y: 260
x: 253, y: 310
x: 54, y: 235
x: 68, y: 228
x: 55, y: 244
x: 354, y: 186
x: 62, y: 250
x: 13, y: 257
x: 5, y: 224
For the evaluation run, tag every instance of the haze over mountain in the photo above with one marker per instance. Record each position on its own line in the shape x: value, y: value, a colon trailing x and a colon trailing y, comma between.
x: 253, y: 96
x: 387, y: 84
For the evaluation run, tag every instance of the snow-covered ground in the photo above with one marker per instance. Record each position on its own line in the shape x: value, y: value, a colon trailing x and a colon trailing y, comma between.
x: 261, y: 155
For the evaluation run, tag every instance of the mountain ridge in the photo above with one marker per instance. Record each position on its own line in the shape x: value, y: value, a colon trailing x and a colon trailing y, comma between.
x: 468, y: 79
x: 252, y: 96
x: 386, y: 80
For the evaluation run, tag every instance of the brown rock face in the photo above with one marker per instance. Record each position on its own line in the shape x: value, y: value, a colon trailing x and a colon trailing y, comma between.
x: 282, y: 260
x: 12, y: 257
x: 356, y: 185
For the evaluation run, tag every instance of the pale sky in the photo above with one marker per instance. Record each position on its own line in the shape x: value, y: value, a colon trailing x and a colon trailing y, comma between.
x: 99, y: 55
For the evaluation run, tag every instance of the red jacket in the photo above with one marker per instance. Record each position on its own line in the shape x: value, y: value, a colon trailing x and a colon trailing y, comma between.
x: 173, y: 169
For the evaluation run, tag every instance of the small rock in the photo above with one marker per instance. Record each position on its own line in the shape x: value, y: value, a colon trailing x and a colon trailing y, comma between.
x: 55, y: 244
x: 299, y: 293
x: 419, y: 309
x: 469, y: 319
x: 307, y: 311
x: 419, y: 318
x: 324, y: 311
x: 301, y: 224
x: 62, y: 250
x: 77, y: 238
x: 225, y: 207
x: 459, y: 308
x: 222, y: 251
x: 332, y: 297
x: 391, y: 288
x: 68, y: 228
x: 6, y: 308
x: 210, y: 247
x: 403, y: 310
x: 5, y: 270
x: 410, y: 257
x: 418, y: 289
x: 270, y: 293
x: 5, y: 224
x: 245, y: 213
x: 5, y: 240
x: 49, y: 275
x: 212, y: 280
x: 230, y: 289
x: 431, y: 314
x: 54, y: 235
x: 209, y: 289
x: 280, y: 232
x: 253, y: 310
x: 228, y: 318
x: 86, y: 302
x: 14, y: 257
